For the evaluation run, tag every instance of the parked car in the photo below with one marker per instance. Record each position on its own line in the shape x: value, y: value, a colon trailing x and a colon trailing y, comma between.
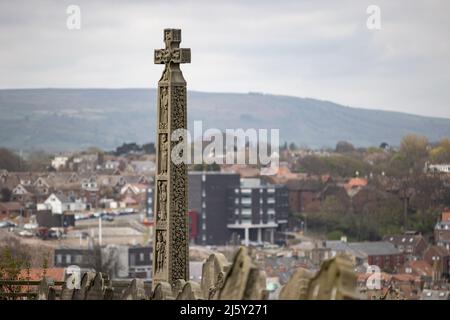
x: 25, y: 233
x: 7, y: 224
x: 99, y: 214
x: 30, y: 226
x: 81, y: 217
x: 268, y: 245
x: 107, y: 218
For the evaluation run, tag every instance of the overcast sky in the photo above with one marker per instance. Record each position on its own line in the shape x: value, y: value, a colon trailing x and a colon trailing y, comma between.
x: 318, y: 49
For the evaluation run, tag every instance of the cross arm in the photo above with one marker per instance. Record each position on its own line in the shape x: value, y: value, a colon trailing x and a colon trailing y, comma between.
x: 177, y: 55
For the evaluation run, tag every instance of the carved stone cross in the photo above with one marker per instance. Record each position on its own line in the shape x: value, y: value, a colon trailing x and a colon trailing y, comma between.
x: 172, y: 52
x: 170, y: 242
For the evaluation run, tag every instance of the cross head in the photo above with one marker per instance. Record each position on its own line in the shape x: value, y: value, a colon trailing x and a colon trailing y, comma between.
x: 172, y: 53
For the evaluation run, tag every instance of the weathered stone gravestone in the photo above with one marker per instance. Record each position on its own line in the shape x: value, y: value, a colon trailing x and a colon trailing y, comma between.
x: 66, y: 293
x: 97, y: 290
x: 190, y: 291
x: 178, y: 287
x: 109, y: 294
x: 162, y: 291
x: 85, y: 284
x: 213, y: 274
x: 244, y: 281
x: 171, y: 237
x: 335, y: 280
x: 135, y: 291
x: 45, y: 290
x: 297, y: 286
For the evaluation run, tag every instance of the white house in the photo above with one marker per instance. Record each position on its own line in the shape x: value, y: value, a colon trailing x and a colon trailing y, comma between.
x: 59, y: 204
x: 141, y: 167
x: 134, y: 189
x: 443, y: 168
x: 111, y: 164
x: 59, y: 162
x: 89, y: 184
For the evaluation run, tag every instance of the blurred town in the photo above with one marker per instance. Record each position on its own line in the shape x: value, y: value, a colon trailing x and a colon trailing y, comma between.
x: 385, y: 208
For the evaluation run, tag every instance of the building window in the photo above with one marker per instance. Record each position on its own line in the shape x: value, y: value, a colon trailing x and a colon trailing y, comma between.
x: 78, y: 259
x: 68, y: 258
x: 141, y: 257
x: 58, y: 258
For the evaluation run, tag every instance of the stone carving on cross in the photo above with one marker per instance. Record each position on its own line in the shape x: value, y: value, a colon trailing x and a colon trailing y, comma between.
x: 171, y: 237
x: 172, y: 53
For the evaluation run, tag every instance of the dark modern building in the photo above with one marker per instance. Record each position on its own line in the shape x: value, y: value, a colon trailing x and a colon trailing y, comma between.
x: 139, y: 262
x: 84, y: 258
x: 257, y: 211
x: 117, y: 261
x: 47, y: 219
x: 230, y: 207
x: 208, y: 197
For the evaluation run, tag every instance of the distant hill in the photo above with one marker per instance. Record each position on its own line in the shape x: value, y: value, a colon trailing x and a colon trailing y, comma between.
x: 69, y: 119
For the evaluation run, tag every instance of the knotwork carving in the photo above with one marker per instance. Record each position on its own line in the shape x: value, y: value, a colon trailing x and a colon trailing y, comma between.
x: 178, y: 107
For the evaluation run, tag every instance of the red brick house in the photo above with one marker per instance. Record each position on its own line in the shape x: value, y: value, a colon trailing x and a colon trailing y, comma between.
x: 135, y: 191
x: 11, y: 209
x: 442, y: 231
x: 304, y: 194
x: 412, y: 244
x: 439, y: 256
x: 418, y: 268
x: 380, y: 253
x: 446, y: 215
